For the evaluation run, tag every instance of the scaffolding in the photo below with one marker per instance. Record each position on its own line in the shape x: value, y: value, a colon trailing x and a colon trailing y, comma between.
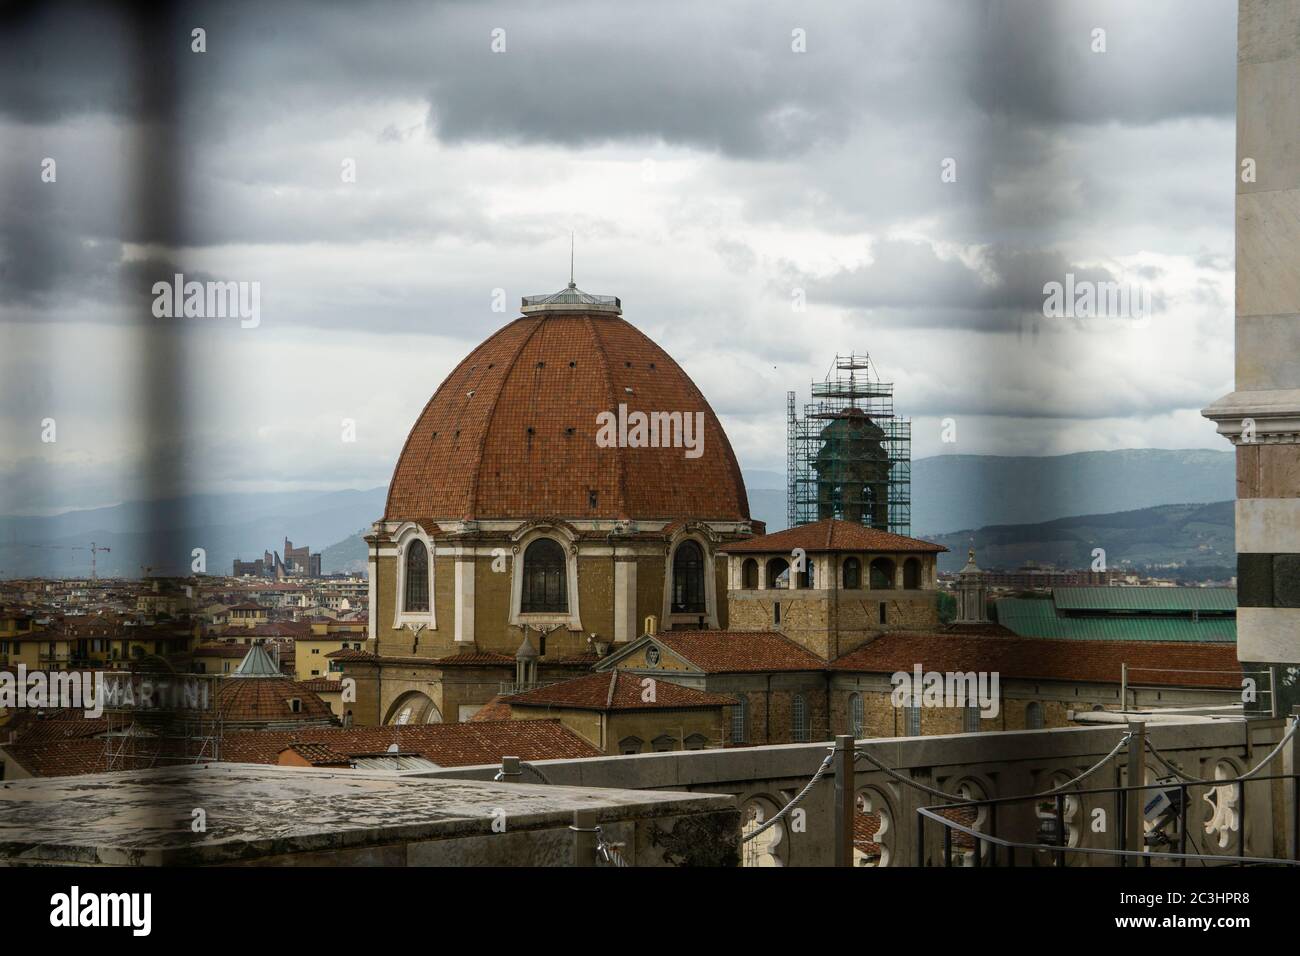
x: 849, y: 456
x: 138, y: 739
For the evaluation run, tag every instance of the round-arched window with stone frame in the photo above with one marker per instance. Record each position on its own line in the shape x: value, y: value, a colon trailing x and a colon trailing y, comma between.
x: 545, y: 584
x: 688, y: 578
x: 415, y: 597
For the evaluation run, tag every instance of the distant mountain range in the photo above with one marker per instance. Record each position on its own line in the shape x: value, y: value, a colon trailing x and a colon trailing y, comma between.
x: 161, y: 535
x: 1183, y: 540
x: 949, y: 493
x: 952, y: 492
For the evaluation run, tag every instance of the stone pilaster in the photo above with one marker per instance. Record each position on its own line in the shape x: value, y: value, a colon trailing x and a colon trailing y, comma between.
x: 1262, y: 416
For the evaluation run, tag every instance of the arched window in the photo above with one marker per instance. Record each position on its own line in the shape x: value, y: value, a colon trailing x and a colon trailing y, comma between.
x: 852, y: 574
x: 1034, y: 716
x: 688, y: 579
x: 799, y: 713
x: 749, y: 574
x: 856, y: 715
x: 417, y: 577
x: 882, y: 574
x: 778, y: 573
x: 738, y: 721
x: 413, y: 708
x: 807, y: 578
x: 912, y: 574
x: 545, y: 578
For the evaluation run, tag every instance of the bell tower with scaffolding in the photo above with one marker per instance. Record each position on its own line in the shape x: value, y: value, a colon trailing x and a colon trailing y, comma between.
x: 849, y: 456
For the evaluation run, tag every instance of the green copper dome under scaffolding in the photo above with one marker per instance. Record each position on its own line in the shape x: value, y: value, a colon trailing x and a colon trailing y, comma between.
x: 849, y: 456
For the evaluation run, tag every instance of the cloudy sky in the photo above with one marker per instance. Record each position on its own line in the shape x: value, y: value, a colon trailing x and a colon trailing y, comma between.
x: 716, y: 162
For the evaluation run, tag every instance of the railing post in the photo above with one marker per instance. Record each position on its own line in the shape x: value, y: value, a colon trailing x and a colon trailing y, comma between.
x: 993, y: 832
x: 1121, y: 827
x: 1133, y: 817
x: 584, y: 837
x: 1183, y: 797
x: 1295, y: 788
x: 920, y: 838
x: 1060, y: 829
x: 845, y: 796
x: 1241, y: 818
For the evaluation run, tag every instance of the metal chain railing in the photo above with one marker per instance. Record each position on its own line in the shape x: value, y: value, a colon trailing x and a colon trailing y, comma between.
x: 967, y: 799
x: 1186, y: 778
x: 776, y: 817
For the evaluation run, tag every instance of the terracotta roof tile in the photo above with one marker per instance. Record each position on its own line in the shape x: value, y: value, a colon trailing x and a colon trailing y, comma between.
x: 733, y: 652
x: 348, y: 654
x: 321, y: 685
x: 318, y: 754
x: 245, y: 700
x: 236, y: 651
x: 832, y: 535
x: 495, y: 709
x: 476, y: 659
x: 616, y: 691
x: 62, y: 758
x: 1092, y: 661
x: 448, y: 745
x: 524, y: 404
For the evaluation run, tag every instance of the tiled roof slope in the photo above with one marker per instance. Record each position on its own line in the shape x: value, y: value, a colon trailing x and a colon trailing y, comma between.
x: 734, y: 652
x: 832, y: 534
x: 448, y: 745
x: 1034, y: 658
x: 616, y: 690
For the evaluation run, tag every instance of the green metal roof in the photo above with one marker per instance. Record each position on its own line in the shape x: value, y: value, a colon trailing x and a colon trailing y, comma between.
x: 1030, y: 617
x: 1145, y: 599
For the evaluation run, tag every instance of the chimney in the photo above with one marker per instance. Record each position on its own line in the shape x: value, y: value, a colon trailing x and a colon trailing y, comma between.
x: 651, y: 624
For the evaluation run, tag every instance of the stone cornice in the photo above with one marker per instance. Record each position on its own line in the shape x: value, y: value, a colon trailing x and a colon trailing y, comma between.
x: 1275, y: 414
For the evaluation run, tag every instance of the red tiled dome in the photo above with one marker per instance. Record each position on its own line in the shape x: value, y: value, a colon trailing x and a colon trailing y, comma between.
x: 511, y: 433
x: 255, y: 701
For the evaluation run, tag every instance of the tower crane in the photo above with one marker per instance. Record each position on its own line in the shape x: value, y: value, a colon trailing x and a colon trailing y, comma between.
x: 94, y: 550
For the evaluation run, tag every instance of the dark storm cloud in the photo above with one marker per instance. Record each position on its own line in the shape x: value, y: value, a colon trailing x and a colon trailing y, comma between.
x: 715, y: 76
x: 946, y: 292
